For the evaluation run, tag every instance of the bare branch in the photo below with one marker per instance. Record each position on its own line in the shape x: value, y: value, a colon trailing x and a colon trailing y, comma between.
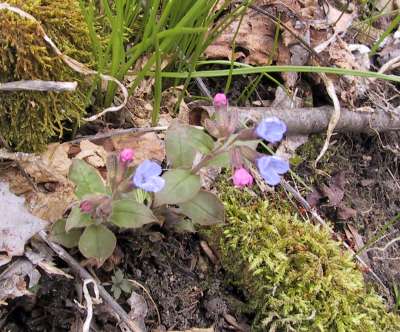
x: 38, y: 85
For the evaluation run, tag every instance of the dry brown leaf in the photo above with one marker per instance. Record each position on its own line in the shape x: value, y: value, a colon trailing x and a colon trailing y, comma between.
x: 254, y: 41
x: 345, y: 213
x: 51, y: 206
x: 47, y: 190
x: 348, y: 88
x: 12, y: 280
x: 170, y: 98
x: 145, y: 145
x: 18, y: 183
x: 340, y: 20
x: 56, y: 158
x: 93, y: 154
x: 137, y: 112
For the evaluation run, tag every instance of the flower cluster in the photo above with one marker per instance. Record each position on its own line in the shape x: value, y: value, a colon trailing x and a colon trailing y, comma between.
x: 271, y: 129
x: 147, y: 174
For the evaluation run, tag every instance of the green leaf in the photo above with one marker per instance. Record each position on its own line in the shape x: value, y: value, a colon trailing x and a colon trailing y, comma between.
x: 66, y: 239
x: 199, y: 139
x: 86, y: 178
x: 220, y: 160
x: 97, y: 241
x: 180, y: 186
x: 251, y: 144
x: 129, y: 213
x: 204, y: 209
x: 77, y: 219
x: 182, y: 141
x: 179, y: 152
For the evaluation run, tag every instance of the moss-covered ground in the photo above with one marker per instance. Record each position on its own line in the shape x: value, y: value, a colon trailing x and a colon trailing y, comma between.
x: 295, y: 277
x: 28, y: 120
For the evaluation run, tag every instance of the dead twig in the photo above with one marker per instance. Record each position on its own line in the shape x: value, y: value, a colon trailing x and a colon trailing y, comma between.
x: 38, y: 85
x: 387, y: 245
x: 118, y: 132
x: 84, y: 275
x: 391, y: 64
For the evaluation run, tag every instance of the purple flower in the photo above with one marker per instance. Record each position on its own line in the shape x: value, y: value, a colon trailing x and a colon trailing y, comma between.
x: 147, y: 176
x: 242, y: 178
x: 126, y: 156
x: 220, y: 100
x: 271, y: 129
x: 271, y: 168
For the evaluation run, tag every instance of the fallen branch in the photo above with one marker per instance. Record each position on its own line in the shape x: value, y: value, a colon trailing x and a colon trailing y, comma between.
x: 316, y: 119
x: 84, y: 275
x: 38, y: 85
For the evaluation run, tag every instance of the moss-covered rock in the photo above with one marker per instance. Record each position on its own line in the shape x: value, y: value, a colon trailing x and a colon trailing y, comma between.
x: 29, y: 119
x: 296, y: 278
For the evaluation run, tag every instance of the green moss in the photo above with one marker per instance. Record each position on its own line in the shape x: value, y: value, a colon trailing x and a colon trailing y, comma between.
x: 296, y: 278
x: 29, y: 119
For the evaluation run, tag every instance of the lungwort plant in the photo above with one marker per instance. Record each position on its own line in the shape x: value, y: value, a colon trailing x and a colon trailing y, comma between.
x: 133, y: 197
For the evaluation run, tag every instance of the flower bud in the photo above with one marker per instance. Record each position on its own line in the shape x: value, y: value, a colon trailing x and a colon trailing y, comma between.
x: 220, y: 100
x: 86, y: 206
x: 242, y: 178
x: 126, y: 156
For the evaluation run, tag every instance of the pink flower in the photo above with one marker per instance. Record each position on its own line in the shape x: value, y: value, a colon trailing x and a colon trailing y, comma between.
x: 242, y: 178
x: 220, y: 100
x: 86, y: 206
x: 126, y: 156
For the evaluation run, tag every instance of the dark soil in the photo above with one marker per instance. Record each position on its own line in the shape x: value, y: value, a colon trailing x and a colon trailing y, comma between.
x: 188, y: 290
x: 370, y: 167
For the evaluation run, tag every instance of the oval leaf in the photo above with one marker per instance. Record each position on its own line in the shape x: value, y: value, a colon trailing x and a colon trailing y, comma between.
x: 77, y: 219
x: 199, y: 139
x: 220, y: 160
x: 182, y: 141
x: 179, y: 152
x: 97, y: 241
x: 180, y: 186
x: 204, y: 209
x: 131, y: 214
x: 66, y: 239
x: 86, y: 178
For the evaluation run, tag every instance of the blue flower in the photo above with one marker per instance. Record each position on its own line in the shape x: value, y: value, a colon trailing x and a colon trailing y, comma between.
x: 271, y: 168
x: 271, y: 129
x: 147, y: 176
